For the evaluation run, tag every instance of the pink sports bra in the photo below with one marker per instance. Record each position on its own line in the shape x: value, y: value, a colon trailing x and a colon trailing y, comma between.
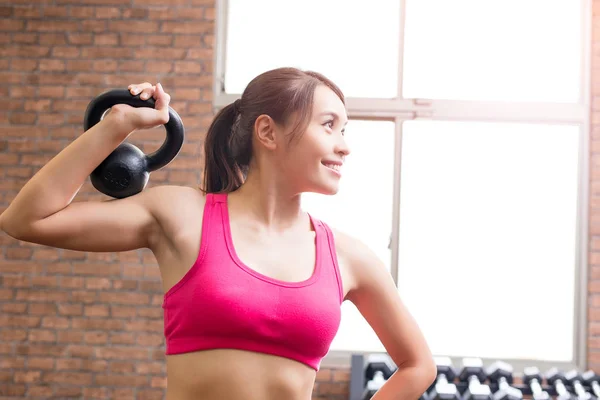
x: 223, y: 304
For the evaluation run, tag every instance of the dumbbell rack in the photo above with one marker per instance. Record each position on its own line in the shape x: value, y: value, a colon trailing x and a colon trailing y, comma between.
x: 358, y: 382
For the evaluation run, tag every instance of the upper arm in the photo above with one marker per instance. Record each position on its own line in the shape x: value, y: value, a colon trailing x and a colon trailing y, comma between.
x: 107, y: 226
x: 376, y: 296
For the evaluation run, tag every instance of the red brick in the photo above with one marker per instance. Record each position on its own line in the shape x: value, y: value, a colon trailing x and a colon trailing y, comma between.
x: 122, y: 353
x: 11, y: 335
x: 42, y: 296
x: 29, y: 376
x: 65, y: 52
x: 139, y: 13
x: 133, y: 26
x: 96, y: 324
x: 93, y: 26
x: 74, y: 378
x: 95, y: 337
x: 159, y: 40
x: 12, y: 363
x: 120, y: 380
x: 14, y: 308
x: 124, y: 298
x: 80, y: 38
x: 68, y: 392
x: 122, y: 367
x: 12, y: 389
x: 122, y: 338
x: 24, y: 65
x: 41, y: 335
x: 72, y: 364
x: 56, y: 11
x: 42, y: 309
x: 52, y: 91
x: 151, y: 394
x: 51, y: 26
x: 108, y: 12
x: 107, y: 39
x: 96, y: 310
x: 45, y: 363
x: 11, y: 25
x: 70, y: 336
x: 55, y: 322
x: 188, y: 67
x: 27, y: 38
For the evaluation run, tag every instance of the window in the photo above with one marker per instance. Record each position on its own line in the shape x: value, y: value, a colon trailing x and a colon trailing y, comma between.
x: 488, y: 221
x: 315, y: 34
x: 469, y: 122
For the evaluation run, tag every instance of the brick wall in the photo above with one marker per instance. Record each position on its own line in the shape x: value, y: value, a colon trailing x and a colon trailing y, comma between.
x: 78, y: 324
x: 90, y: 325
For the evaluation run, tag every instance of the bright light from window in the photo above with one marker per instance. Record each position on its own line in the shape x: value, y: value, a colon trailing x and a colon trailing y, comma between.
x: 354, y: 44
x: 488, y: 237
x: 509, y: 50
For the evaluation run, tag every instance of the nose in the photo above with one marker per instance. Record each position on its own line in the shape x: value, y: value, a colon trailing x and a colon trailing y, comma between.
x: 342, y: 147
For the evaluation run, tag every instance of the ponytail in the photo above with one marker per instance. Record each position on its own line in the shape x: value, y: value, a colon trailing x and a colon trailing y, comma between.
x: 225, y: 168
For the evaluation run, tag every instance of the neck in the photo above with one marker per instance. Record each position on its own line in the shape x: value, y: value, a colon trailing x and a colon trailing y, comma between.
x: 267, y: 201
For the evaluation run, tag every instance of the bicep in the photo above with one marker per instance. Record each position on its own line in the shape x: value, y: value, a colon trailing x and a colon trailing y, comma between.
x: 376, y: 297
x: 108, y: 226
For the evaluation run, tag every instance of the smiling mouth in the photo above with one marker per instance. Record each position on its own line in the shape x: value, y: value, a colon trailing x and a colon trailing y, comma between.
x: 335, y: 167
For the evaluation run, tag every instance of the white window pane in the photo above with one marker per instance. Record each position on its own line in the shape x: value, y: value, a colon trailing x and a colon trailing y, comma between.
x: 487, y: 246
x: 362, y: 208
x: 354, y: 45
x: 505, y: 50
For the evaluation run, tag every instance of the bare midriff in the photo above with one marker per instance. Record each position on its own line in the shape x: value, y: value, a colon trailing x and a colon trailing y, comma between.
x: 234, y: 374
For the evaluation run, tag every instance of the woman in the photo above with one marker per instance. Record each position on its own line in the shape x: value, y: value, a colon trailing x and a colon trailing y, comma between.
x: 253, y: 284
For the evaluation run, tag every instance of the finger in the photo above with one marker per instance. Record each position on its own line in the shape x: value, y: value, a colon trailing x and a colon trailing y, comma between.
x: 147, y: 93
x: 162, y: 102
x: 137, y: 88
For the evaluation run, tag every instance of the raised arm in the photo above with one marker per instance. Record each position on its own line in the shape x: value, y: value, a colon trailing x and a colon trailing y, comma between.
x: 43, y: 211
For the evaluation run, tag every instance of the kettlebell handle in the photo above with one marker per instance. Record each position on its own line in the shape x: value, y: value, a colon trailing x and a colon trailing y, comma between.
x: 175, y: 130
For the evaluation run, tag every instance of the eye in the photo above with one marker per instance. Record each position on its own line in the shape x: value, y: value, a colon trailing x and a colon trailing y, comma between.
x: 329, y: 124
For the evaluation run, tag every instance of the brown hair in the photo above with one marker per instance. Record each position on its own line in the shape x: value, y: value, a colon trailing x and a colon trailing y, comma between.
x: 280, y: 93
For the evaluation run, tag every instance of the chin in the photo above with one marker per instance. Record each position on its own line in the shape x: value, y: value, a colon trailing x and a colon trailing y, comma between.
x: 326, y: 188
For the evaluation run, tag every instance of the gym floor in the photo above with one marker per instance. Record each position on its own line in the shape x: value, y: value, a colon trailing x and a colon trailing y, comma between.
x: 68, y: 319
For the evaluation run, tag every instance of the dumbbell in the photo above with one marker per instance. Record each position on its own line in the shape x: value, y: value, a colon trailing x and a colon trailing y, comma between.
x: 533, y: 378
x: 473, y: 373
x: 374, y: 385
x: 379, y: 369
x: 591, y: 379
x: 379, y: 362
x: 557, y: 379
x: 575, y: 380
x: 502, y: 374
x: 444, y: 389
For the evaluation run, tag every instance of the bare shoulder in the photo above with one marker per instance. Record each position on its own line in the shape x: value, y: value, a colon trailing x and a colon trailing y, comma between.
x: 360, y: 263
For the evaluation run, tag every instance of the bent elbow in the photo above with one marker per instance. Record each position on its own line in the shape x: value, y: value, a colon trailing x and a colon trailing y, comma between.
x: 429, y: 368
x: 12, y: 228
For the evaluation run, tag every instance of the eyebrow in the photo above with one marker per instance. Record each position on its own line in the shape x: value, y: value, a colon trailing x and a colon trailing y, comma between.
x: 333, y: 114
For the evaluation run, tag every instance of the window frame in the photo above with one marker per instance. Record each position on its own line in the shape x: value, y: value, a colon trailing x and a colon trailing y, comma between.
x: 401, y: 109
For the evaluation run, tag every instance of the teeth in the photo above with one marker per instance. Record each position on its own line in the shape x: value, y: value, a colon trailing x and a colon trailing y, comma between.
x: 333, y: 166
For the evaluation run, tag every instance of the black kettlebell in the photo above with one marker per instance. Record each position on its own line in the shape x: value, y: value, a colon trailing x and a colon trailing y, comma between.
x: 126, y: 170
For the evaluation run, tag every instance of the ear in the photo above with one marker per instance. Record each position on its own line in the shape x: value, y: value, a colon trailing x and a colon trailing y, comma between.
x: 266, y: 131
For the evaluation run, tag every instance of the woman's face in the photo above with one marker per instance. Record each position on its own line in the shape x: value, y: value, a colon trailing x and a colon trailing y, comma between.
x: 313, y: 163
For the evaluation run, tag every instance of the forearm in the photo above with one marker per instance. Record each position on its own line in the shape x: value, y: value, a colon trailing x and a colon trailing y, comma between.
x: 407, y: 383
x: 55, y: 185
